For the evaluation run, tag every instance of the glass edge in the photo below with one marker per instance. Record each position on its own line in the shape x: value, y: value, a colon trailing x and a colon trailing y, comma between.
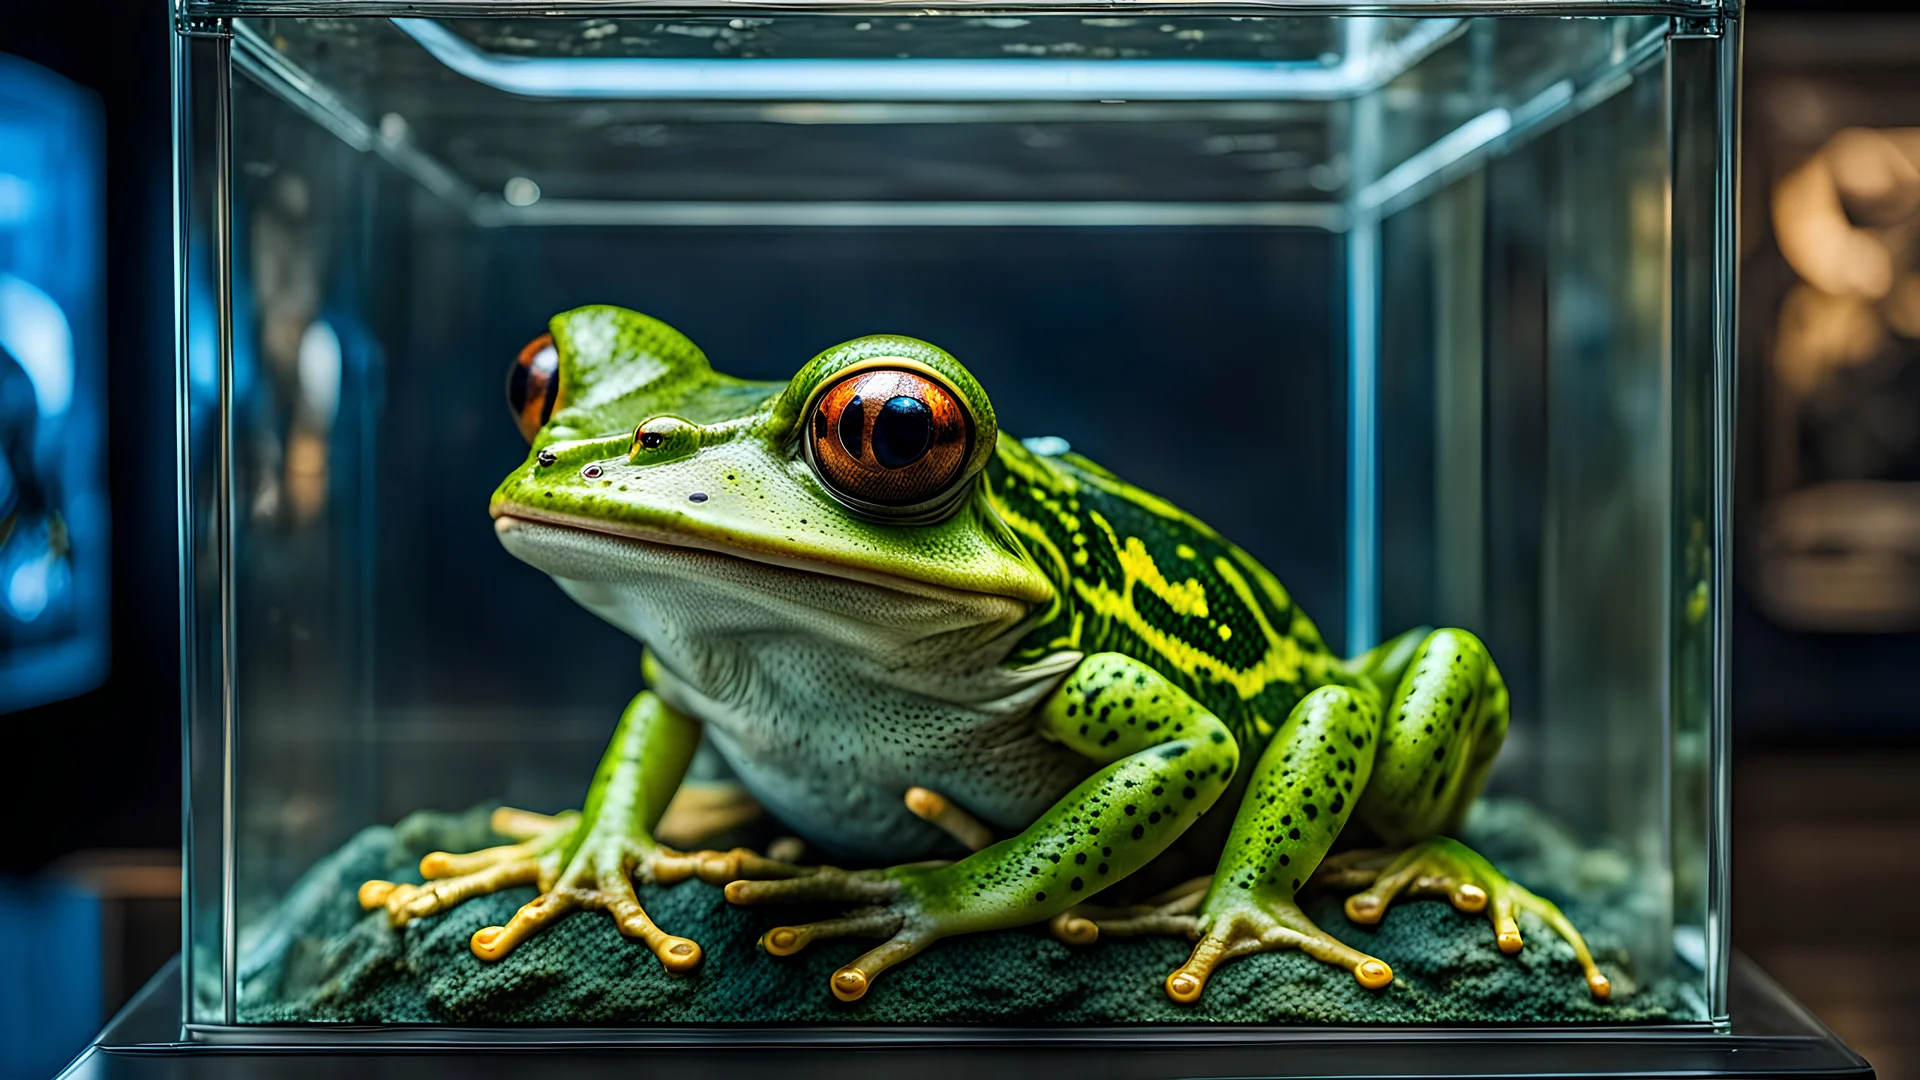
x: 200, y: 57
x: 220, y: 220
x: 183, y: 512
x: 1726, y: 305
x: 1367, y: 64
x: 719, y: 1036
x: 602, y: 8
x: 1470, y: 146
x: 1703, y: 144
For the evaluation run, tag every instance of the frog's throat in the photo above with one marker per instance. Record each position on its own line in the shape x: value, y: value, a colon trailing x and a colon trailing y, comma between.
x: 509, y: 518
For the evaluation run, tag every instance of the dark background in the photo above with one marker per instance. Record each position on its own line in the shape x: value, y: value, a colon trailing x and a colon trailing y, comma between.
x: 1827, y: 726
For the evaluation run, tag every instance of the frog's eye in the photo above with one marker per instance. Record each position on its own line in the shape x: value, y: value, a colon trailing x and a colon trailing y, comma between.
x: 888, y: 440
x: 534, y: 385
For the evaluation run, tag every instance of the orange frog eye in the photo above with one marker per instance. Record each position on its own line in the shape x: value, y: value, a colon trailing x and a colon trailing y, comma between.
x: 888, y: 438
x: 533, y: 385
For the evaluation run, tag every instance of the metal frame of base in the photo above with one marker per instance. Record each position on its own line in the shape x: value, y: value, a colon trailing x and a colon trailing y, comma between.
x: 1770, y: 1035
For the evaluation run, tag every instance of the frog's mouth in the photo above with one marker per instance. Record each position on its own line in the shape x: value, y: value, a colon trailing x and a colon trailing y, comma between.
x: 548, y: 541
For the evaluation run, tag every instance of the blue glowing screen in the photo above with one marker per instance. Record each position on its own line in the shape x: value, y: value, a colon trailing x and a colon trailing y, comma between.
x: 53, y: 502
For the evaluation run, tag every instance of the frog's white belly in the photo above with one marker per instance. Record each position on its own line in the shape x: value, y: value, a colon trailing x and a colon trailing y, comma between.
x: 830, y: 697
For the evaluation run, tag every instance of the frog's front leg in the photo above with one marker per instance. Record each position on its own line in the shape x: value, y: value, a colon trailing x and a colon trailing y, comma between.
x: 1165, y: 761
x: 588, y: 860
x: 1438, y: 741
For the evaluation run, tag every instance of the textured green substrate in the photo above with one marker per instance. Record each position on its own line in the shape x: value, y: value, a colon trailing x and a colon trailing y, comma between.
x: 318, y: 957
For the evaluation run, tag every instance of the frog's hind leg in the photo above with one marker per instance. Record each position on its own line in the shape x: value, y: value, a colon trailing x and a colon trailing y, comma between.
x: 1446, y: 723
x: 1171, y: 913
x: 1298, y: 799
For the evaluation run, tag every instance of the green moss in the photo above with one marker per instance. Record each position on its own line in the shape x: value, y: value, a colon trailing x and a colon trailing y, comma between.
x: 320, y: 958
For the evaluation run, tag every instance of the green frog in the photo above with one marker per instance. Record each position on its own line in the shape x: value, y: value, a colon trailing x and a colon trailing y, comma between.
x: 913, y: 637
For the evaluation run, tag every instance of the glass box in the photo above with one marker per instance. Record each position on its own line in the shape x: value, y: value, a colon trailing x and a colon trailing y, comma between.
x: 1424, y: 305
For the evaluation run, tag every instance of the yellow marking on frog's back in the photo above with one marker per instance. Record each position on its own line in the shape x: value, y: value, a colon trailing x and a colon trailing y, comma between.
x: 1055, y: 506
x: 1187, y: 597
x: 1280, y: 662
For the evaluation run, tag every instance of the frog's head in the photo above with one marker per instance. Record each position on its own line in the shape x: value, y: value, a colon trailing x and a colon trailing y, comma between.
x: 866, y: 465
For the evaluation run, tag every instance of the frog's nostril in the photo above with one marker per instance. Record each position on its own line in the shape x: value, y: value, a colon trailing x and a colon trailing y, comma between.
x: 591, y: 472
x: 698, y: 496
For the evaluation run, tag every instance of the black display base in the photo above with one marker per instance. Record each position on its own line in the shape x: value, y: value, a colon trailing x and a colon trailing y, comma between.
x: 1771, y: 1035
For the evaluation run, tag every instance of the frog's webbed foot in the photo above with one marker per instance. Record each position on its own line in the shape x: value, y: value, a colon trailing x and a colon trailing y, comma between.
x: 1242, y: 923
x: 892, y: 906
x: 452, y: 878
x: 1444, y: 867
x: 891, y: 902
x: 1169, y: 914
x: 598, y: 876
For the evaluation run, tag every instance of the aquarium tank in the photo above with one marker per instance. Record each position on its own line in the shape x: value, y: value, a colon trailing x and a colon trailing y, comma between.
x: 852, y: 517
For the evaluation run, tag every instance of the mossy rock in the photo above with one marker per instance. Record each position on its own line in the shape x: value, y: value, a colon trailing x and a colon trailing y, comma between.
x: 319, y: 958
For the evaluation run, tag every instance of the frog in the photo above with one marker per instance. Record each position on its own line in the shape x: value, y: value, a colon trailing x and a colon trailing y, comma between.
x: 1002, y: 685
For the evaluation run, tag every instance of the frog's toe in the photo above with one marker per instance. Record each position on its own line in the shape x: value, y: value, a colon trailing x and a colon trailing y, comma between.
x: 404, y: 903
x: 942, y: 812
x: 852, y: 981
x: 495, y: 942
x: 1436, y: 867
x: 453, y: 878
x: 895, y: 905
x: 600, y: 878
x: 1244, y: 926
x: 872, y: 922
x: 517, y: 824
x: 1444, y: 867
x: 1170, y: 914
x: 814, y: 884
x: 669, y: 867
x: 615, y: 896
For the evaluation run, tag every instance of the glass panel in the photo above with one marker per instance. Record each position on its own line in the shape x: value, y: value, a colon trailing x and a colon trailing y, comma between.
x: 1526, y: 460
x: 1163, y: 279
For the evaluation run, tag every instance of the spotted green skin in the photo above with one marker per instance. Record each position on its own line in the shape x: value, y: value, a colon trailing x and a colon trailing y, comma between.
x: 1196, y: 677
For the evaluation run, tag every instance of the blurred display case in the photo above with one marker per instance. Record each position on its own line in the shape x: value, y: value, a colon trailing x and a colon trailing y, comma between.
x: 53, y: 501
